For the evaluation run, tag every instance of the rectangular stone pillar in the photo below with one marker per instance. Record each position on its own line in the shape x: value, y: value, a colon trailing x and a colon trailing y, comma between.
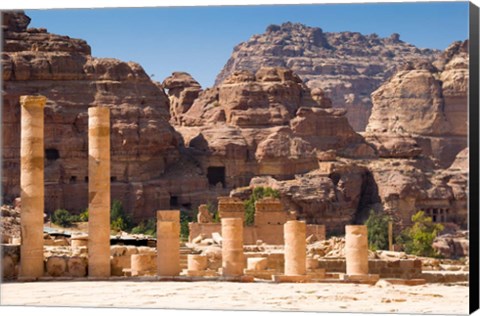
x: 32, y: 185
x: 233, y: 260
x: 99, y: 192
x: 168, y: 243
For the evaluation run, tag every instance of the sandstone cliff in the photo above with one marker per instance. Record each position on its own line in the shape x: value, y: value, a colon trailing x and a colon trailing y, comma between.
x: 426, y: 103
x: 348, y: 66
x: 143, y: 144
x: 264, y: 123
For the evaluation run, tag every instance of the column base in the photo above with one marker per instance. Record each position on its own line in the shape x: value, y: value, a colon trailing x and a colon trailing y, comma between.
x: 360, y: 278
x: 291, y: 278
x: 202, y: 273
x: 410, y: 282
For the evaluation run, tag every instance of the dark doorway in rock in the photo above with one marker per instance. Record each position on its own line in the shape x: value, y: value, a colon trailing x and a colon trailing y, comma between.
x: 52, y: 154
x: 173, y: 201
x: 216, y: 175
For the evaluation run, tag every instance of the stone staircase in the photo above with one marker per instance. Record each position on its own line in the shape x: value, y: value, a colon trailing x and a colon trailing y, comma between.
x: 184, y: 252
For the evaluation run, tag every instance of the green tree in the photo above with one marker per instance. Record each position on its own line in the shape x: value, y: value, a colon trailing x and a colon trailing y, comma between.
x: 62, y: 218
x: 377, y: 225
x: 257, y: 194
x: 418, y: 239
x: 119, y: 220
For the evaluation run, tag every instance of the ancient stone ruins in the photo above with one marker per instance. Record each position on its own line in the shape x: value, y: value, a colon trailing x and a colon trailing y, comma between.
x: 335, y: 137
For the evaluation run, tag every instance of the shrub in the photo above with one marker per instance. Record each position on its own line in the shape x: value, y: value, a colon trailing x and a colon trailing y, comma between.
x: 84, y: 216
x: 377, y: 225
x: 119, y: 221
x: 184, y: 230
x: 418, y: 239
x: 257, y: 194
x: 62, y: 218
x: 148, y: 227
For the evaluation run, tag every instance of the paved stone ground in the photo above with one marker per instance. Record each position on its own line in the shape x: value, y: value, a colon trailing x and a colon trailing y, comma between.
x: 382, y: 298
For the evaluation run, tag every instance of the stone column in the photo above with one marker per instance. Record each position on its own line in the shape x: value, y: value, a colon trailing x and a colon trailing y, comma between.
x: 356, y: 249
x: 32, y: 186
x: 295, y: 248
x: 168, y: 243
x: 98, y: 192
x: 197, y: 263
x: 233, y: 261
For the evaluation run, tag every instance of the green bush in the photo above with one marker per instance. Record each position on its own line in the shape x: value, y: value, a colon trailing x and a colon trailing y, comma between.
x: 184, y: 230
x: 377, y: 225
x: 119, y: 220
x: 148, y: 227
x: 62, y: 218
x: 257, y: 194
x: 417, y: 240
x: 84, y: 216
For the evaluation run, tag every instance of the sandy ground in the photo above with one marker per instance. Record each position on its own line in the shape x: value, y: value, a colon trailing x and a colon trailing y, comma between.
x: 381, y: 298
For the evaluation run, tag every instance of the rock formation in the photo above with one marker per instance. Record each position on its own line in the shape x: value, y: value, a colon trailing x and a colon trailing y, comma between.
x: 425, y: 106
x: 144, y: 145
x: 266, y: 127
x: 348, y: 66
x: 264, y: 123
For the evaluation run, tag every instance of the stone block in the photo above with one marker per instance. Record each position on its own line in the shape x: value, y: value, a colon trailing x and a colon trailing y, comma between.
x: 56, y: 266
x: 77, y: 267
x: 257, y: 264
x: 291, y: 278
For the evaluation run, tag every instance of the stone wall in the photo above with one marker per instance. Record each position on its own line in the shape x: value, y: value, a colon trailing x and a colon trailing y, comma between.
x: 270, y: 234
x: 403, y: 268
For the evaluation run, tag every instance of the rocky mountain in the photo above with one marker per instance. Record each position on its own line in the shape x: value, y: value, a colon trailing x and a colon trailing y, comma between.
x: 176, y: 145
x: 144, y: 146
x: 348, y: 66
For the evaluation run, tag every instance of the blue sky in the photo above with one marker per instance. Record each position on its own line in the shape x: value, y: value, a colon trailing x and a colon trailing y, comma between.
x: 200, y: 40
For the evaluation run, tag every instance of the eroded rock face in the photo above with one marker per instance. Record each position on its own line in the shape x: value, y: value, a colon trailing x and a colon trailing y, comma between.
x: 182, y: 90
x: 143, y: 144
x: 330, y: 197
x: 427, y: 103
x: 265, y: 123
x: 269, y: 97
x: 348, y: 66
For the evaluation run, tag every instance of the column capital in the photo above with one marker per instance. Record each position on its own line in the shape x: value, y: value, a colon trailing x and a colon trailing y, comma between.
x: 33, y: 101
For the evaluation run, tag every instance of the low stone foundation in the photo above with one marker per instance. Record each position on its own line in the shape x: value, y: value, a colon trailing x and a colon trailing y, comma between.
x: 400, y: 269
x: 268, y: 233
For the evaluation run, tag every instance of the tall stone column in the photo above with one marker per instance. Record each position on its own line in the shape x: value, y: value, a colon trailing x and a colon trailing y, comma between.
x: 99, y: 192
x: 295, y: 248
x: 356, y: 249
x: 32, y: 185
x: 168, y: 243
x: 233, y: 261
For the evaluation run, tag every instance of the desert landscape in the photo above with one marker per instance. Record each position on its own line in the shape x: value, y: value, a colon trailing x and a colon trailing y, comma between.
x: 323, y: 171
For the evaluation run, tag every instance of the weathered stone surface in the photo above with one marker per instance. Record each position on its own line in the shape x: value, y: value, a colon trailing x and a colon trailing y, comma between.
x: 182, y: 90
x: 56, y: 266
x: 332, y: 198
x: 348, y: 66
x: 265, y: 123
x: 426, y: 103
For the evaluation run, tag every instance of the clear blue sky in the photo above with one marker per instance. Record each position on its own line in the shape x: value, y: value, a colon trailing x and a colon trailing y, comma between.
x: 200, y: 40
